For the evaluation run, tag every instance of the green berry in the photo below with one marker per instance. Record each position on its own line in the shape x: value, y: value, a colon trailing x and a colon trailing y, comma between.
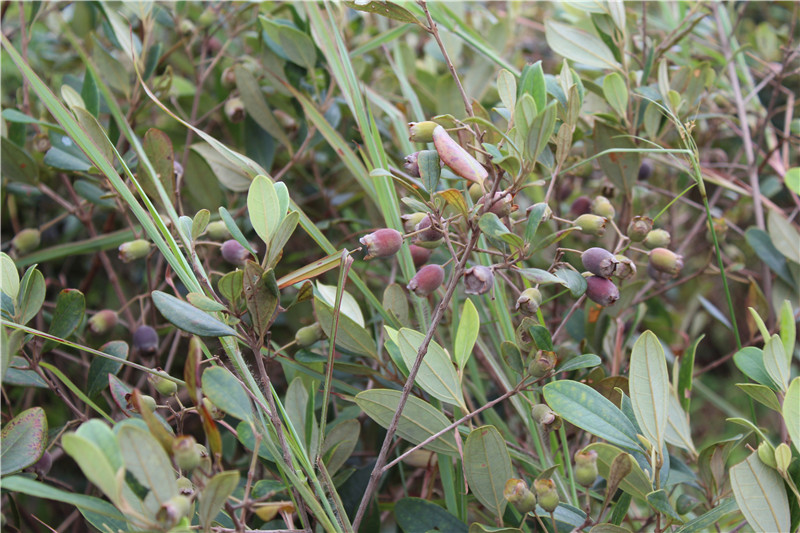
x: 132, y: 250
x: 547, y: 494
x: 529, y: 301
x: 657, y: 238
x: 591, y: 224
x: 185, y: 452
x: 586, y: 467
x: 767, y: 454
x: 603, y: 207
x: 517, y: 493
x: 665, y: 261
x: 103, y: 321
x: 173, y: 510
x: 308, y: 335
x: 639, y: 227
x: 421, y: 132
x: 217, y: 230
x: 542, y: 363
x: 27, y: 240
x: 160, y: 381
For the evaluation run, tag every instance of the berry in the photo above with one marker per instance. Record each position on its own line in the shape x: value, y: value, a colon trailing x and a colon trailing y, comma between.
x: 645, y: 170
x: 542, y: 364
x: 382, y: 243
x: 185, y: 452
x: 431, y: 236
x: 234, y: 253
x: 308, y: 335
x: 160, y: 381
x: 599, y: 261
x: 173, y: 510
x: 517, y: 493
x: 145, y: 339
x: 656, y: 275
x: 103, y: 321
x: 581, y: 206
x: 601, y: 291
x: 410, y: 221
x: 639, y: 227
x: 591, y: 224
x: 501, y: 204
x: 217, y: 230
x: 545, y: 417
x: 602, y: 206
x: 420, y: 255
x: 234, y: 109
x: 625, y: 267
x: 547, y: 494
x: 132, y: 250
x: 412, y: 165
x: 478, y: 280
x: 665, y: 261
x: 27, y: 240
x: 427, y: 280
x: 586, y: 467
x: 421, y: 132
x: 657, y: 238
x: 529, y: 301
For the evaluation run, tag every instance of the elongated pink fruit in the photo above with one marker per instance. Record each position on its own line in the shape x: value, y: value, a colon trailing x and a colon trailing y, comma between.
x: 455, y: 157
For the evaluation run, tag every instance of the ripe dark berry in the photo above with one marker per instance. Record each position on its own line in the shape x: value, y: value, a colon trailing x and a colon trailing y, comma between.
x: 145, y: 339
x: 234, y: 253
x: 599, y: 262
x: 601, y: 291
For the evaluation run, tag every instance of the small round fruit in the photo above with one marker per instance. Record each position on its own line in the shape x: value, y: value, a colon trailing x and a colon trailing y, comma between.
x: 382, y: 243
x: 308, y: 335
x: 419, y: 255
x: 185, y: 452
x: 657, y: 238
x: 601, y: 290
x: 234, y: 253
x: 421, y: 132
x: 103, y: 321
x: 546, y: 494
x: 478, y: 280
x: 529, y: 301
x: 645, y: 170
x: 145, y: 339
x: 639, y: 227
x: 217, y: 230
x: 603, y: 207
x: 665, y: 261
x: 426, y: 280
x: 234, y: 109
x: 132, y: 250
x: 27, y: 240
x: 591, y: 224
x: 581, y: 206
x: 599, y: 261
x: 162, y: 383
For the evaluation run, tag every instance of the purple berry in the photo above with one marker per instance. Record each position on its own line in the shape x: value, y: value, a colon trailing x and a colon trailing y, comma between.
x: 420, y: 255
x: 412, y: 165
x: 581, y: 206
x: 599, y: 262
x: 427, y: 280
x: 601, y: 291
x: 234, y: 253
x: 145, y: 339
x: 382, y: 243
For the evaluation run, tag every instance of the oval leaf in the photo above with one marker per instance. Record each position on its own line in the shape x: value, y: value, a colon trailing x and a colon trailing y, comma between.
x: 148, y: 462
x: 24, y: 439
x: 189, y: 318
x: 487, y: 466
x: 263, y: 207
x: 225, y: 391
x: 215, y: 494
x: 761, y: 496
x: 791, y: 412
x: 437, y: 375
x: 649, y: 387
x: 468, y: 326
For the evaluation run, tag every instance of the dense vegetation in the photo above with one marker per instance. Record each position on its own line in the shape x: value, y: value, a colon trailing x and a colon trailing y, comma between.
x: 375, y: 266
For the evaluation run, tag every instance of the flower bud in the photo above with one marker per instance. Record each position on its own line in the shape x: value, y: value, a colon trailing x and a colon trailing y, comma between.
x: 626, y: 268
x: 217, y: 230
x: 102, y: 321
x: 767, y: 454
x: 645, y: 170
x: 145, y: 339
x: 657, y: 238
x: 591, y: 224
x: 542, y: 363
x: 666, y: 261
x: 545, y: 417
x: 599, y: 262
x: 502, y: 204
x: 547, y: 494
x: 132, y: 250
x: 382, y: 243
x: 234, y: 253
x: 685, y: 504
x: 602, y: 206
x: 529, y: 301
x: 27, y: 240
x: 581, y: 206
x: 215, y: 412
x: 639, y: 227
x: 586, y: 467
x: 517, y: 493
x: 411, y: 164
x: 419, y: 255
x: 601, y: 291
x: 478, y: 280
x: 308, y: 335
x: 421, y: 132
x: 164, y: 386
x: 234, y: 109
x: 185, y: 452
x: 173, y: 510
x: 410, y: 221
x: 426, y: 280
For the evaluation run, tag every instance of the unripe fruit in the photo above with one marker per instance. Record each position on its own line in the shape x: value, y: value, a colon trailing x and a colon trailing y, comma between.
x: 542, y: 363
x: 685, y: 504
x: 657, y: 238
x: 186, y: 28
x: 286, y: 120
x: 207, y: 17
x: 478, y: 280
x: 308, y: 335
x: 665, y: 261
x: 185, y: 487
x: 217, y: 230
x: 228, y: 78
x: 427, y: 280
x: 586, y: 467
x: 145, y: 339
x: 430, y: 233
x: 602, y: 206
x: 523, y: 335
x: 421, y: 132
x: 517, y: 493
x: 591, y: 224
x: 502, y: 204
x: 529, y: 301
x: 783, y: 457
x: 645, y: 170
x: 421, y: 459
x: 626, y: 268
x: 458, y: 159
x: 147, y: 402
x: 411, y: 164
x: 103, y: 321
x: 234, y: 109
x: 767, y: 454
x: 581, y: 206
x: 601, y: 291
x: 639, y: 227
x: 599, y: 261
x: 547, y: 494
x: 234, y: 253
x: 410, y: 221
x: 27, y: 240
x: 419, y: 255
x: 382, y: 243
x: 476, y: 192
x: 545, y: 417
x: 132, y: 250
x: 173, y: 510
x: 185, y: 452
x: 162, y: 384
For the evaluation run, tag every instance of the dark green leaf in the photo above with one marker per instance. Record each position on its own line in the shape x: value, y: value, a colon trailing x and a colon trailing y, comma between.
x: 429, y: 169
x: 94, y: 194
x: 621, y: 168
x: 540, y: 131
x: 494, y: 228
x: 244, y: 432
x: 541, y: 338
x: 226, y: 392
x: 750, y: 361
x: 158, y: 149
x: 416, y: 515
x: 189, y: 318
x: 387, y: 9
x: 762, y: 245
x: 31, y: 295
x: 24, y: 440
x: 487, y: 466
x: 659, y: 500
x: 579, y: 46
x: 90, y: 94
x: 573, y: 281
x: 100, y: 367
x: 17, y: 164
x: 215, y: 494
x: 535, y: 216
x: 350, y: 335
x: 68, y: 315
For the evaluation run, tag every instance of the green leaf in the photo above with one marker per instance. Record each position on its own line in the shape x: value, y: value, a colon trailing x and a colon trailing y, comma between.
x: 75, y: 389
x: 256, y: 106
x: 791, y: 412
x: 31, y: 295
x: 586, y: 408
x: 487, y: 466
x: 100, y: 367
x: 261, y: 295
x: 339, y: 444
x: 349, y: 305
x: 68, y: 315
x: 186, y: 317
x: 157, y: 147
x: 94, y: 464
x: 535, y: 216
x: 788, y: 328
x: 532, y: 82
x: 281, y: 237
x: 659, y: 501
x: 750, y: 361
x: 762, y: 245
x: 579, y: 46
x: 791, y: 178
x: 145, y: 458
x: 298, y: 47
x: 350, y: 335
x: 229, y: 173
x: 649, y: 387
x: 710, y: 518
x: 685, y: 374
x: 637, y: 484
x: 200, y: 223
x: 507, y: 89
x: 587, y: 360
x: 469, y: 325
x: 762, y: 394
x: 678, y: 431
x: 9, y: 277
x: 419, y: 421
x: 429, y: 169
x: 540, y: 131
x: 784, y: 236
x: 539, y: 276
x: 621, y: 168
x: 226, y: 392
x: 214, y: 496
x: 24, y: 440
x: 17, y: 164
x: 573, y: 281
x: 234, y: 230
x: 437, y: 376
x: 263, y: 207
x: 387, y: 9
x: 761, y: 495
x: 416, y: 515
x: 204, y: 303
x: 494, y: 228
x: 775, y: 362
x: 616, y: 93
